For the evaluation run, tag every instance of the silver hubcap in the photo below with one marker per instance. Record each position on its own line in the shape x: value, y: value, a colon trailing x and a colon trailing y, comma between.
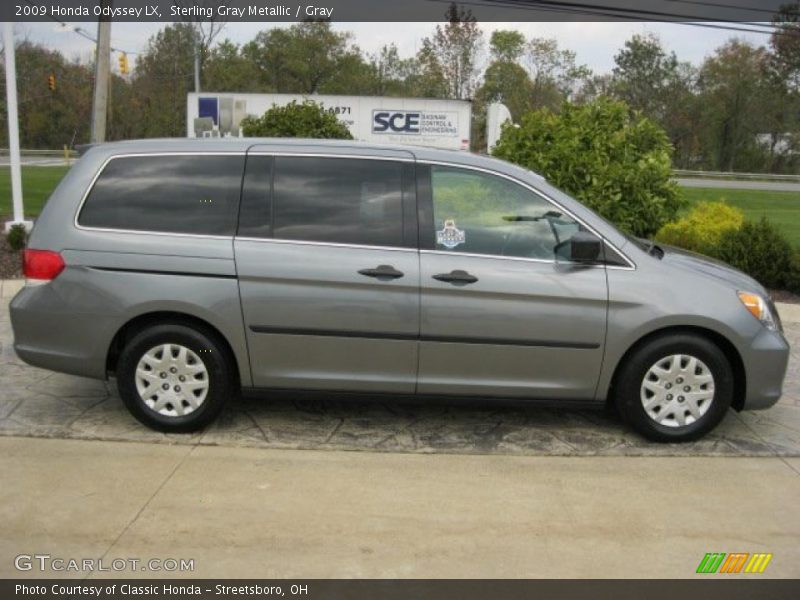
x: 677, y: 390
x: 172, y: 380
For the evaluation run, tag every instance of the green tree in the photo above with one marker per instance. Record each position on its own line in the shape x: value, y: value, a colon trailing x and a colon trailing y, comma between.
x: 644, y: 74
x: 204, y: 31
x: 785, y: 45
x: 508, y: 83
x: 270, y: 52
x: 506, y: 45
x: 554, y: 74
x: 164, y: 75
x: 615, y: 161
x: 389, y: 74
x: 504, y: 79
x: 652, y: 80
x: 306, y: 120
x: 733, y: 95
x: 426, y: 77
x: 227, y: 69
x: 451, y: 54
x: 49, y: 118
x: 306, y: 58
x: 783, y: 116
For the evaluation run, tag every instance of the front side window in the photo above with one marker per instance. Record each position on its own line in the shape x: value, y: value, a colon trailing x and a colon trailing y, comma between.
x: 338, y: 200
x: 479, y: 213
x: 196, y: 194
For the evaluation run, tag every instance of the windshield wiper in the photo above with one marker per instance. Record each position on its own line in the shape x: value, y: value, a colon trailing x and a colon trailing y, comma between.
x: 651, y: 248
x: 550, y: 214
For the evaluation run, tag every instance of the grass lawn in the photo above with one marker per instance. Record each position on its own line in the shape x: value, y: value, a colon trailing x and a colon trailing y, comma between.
x: 782, y: 208
x: 37, y: 184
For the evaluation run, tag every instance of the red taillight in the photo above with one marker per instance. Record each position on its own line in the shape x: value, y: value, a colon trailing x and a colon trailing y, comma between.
x: 41, y: 264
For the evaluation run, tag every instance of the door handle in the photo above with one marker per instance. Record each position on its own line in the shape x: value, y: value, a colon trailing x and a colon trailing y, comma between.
x: 382, y: 272
x: 456, y: 277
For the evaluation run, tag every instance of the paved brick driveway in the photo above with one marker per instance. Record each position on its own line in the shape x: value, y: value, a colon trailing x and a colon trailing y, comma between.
x: 34, y: 402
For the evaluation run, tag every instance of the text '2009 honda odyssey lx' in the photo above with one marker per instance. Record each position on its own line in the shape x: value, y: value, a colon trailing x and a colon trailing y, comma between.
x: 192, y: 268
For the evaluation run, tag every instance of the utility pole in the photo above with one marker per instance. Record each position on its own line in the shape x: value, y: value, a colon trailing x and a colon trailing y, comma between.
x: 13, y: 129
x: 197, y: 57
x: 102, y: 69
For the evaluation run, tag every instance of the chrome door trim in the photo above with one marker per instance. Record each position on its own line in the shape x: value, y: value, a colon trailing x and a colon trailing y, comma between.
x: 325, y: 244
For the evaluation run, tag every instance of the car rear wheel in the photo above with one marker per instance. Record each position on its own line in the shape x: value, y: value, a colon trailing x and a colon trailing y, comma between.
x: 675, y: 388
x: 174, y: 378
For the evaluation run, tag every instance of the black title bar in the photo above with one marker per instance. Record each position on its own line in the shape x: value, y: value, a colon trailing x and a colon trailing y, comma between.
x: 710, y: 588
x: 232, y: 11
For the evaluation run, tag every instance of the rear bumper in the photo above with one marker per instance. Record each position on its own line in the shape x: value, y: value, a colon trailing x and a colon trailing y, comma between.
x: 49, y: 333
x: 765, y: 361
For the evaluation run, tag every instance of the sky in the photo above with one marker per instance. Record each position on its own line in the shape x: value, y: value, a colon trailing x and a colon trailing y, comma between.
x: 595, y: 43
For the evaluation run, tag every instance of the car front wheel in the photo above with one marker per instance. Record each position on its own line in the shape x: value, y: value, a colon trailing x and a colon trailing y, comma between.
x: 675, y: 388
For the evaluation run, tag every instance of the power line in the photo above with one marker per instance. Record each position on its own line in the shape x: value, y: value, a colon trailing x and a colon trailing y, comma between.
x: 569, y: 8
x: 763, y: 11
x: 621, y: 12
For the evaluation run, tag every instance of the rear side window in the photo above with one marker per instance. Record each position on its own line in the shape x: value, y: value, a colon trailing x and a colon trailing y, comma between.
x: 195, y: 194
x: 338, y: 200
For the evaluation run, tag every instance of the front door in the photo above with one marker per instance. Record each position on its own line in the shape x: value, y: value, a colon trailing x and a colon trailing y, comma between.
x: 502, y: 311
x: 329, y: 272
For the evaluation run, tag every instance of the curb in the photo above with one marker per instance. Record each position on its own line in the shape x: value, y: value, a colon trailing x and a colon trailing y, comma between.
x: 789, y: 313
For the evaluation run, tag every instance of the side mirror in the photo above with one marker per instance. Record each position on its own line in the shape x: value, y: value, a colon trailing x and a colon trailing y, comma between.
x: 583, y: 247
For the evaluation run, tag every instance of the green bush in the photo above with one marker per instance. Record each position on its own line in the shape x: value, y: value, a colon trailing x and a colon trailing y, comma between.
x: 759, y: 249
x: 17, y: 237
x: 793, y: 277
x: 615, y: 161
x: 306, y: 120
x: 701, y: 230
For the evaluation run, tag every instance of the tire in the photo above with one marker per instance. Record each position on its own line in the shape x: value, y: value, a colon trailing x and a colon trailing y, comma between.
x: 175, y: 355
x: 685, y: 398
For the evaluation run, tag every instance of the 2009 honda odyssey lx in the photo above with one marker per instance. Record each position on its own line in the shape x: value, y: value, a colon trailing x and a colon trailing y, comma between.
x: 193, y: 268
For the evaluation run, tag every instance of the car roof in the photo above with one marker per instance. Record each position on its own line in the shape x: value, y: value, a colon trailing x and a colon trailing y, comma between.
x: 421, y: 153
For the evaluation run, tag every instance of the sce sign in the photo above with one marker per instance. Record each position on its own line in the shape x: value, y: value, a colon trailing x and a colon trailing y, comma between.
x: 395, y: 122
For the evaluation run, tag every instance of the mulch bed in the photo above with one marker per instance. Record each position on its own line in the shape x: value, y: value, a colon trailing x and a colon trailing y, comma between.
x: 10, y: 261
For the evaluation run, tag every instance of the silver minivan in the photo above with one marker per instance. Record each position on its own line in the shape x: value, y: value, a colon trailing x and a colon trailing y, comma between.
x: 190, y: 269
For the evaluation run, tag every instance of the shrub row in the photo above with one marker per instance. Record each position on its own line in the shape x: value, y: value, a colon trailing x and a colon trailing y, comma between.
x: 757, y: 248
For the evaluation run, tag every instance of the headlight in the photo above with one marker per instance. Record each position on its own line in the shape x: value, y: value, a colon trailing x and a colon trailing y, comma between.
x: 759, y: 308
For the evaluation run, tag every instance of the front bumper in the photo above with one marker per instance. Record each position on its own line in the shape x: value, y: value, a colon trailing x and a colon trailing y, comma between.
x: 766, y: 361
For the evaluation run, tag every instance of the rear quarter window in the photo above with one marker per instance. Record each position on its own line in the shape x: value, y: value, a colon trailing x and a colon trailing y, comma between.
x: 194, y: 194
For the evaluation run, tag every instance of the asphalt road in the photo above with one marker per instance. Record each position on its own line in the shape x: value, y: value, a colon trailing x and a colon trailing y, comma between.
x: 734, y: 184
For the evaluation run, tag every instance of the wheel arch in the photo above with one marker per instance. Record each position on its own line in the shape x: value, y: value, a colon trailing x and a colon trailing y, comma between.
x: 723, y: 343
x: 143, y: 321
